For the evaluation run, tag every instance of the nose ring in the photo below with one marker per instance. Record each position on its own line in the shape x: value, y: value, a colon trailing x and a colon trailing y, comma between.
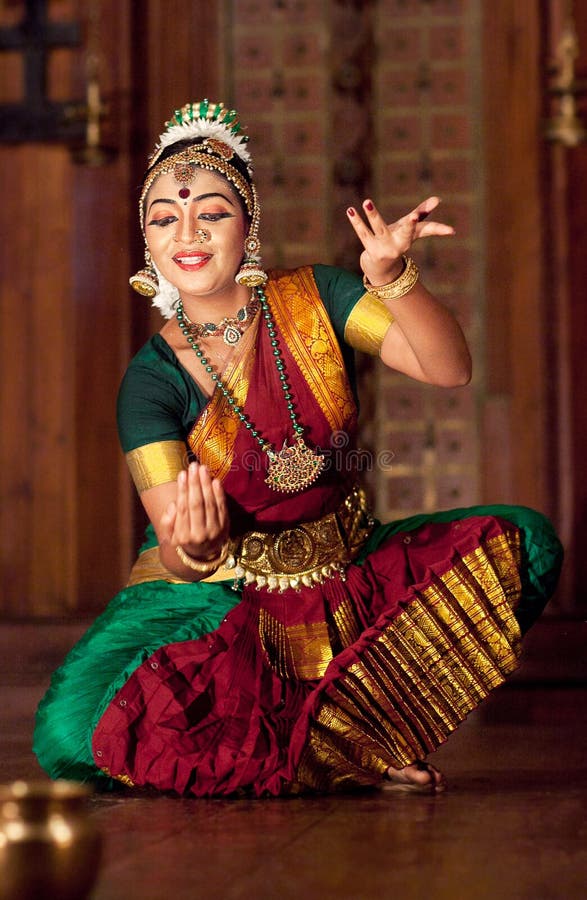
x: 201, y: 235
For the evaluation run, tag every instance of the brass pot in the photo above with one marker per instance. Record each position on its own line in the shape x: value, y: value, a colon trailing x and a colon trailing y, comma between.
x: 49, y: 845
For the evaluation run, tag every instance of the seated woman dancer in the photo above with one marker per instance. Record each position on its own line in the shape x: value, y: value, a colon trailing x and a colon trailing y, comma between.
x: 273, y: 638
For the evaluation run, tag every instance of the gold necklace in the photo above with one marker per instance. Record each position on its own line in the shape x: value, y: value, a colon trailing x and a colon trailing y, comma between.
x: 231, y: 328
x: 296, y: 466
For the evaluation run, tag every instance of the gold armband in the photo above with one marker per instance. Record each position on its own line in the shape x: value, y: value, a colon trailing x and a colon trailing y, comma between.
x: 157, y: 463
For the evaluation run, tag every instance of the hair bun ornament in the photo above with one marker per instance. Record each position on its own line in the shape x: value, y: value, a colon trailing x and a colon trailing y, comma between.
x: 206, y: 120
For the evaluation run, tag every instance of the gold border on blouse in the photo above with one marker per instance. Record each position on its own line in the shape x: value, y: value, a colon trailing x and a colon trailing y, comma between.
x: 156, y: 463
x: 367, y: 325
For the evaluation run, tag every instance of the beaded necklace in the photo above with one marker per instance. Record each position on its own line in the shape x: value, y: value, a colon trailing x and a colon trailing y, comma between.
x: 295, y: 466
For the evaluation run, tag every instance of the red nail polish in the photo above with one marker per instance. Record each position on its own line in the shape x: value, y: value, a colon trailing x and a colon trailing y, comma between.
x: 350, y: 211
x: 369, y: 205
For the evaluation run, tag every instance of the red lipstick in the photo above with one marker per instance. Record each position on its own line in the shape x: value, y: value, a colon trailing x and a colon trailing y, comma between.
x: 190, y: 260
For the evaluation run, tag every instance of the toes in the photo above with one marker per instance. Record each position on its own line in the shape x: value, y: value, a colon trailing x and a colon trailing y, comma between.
x: 420, y: 776
x: 437, y: 776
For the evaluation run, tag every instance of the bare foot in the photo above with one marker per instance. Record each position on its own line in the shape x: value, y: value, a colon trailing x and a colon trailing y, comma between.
x: 420, y: 778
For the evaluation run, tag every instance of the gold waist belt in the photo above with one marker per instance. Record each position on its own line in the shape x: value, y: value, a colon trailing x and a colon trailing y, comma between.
x: 305, y: 554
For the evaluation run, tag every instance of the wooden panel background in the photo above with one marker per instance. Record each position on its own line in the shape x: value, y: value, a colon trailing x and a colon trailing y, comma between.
x: 69, y: 521
x: 515, y: 449
x: 565, y: 179
x: 68, y: 518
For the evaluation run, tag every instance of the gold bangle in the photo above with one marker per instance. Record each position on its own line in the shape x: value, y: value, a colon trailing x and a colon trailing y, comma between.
x: 203, y: 567
x: 398, y: 288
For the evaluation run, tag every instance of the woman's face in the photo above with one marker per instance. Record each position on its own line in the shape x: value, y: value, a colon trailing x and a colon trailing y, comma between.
x: 195, y: 232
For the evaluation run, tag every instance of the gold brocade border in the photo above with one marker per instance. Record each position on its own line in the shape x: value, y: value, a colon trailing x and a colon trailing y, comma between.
x: 302, y: 319
x: 295, y: 651
x: 214, y: 432
x: 156, y: 463
x: 346, y: 623
x: 423, y: 675
x: 304, y: 651
x: 367, y: 324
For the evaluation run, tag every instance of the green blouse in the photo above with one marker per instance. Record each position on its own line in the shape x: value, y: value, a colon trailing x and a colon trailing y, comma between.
x: 159, y: 400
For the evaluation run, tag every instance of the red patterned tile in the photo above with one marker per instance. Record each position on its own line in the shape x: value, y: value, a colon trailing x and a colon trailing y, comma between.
x: 453, y: 174
x: 304, y: 48
x: 405, y: 492
x: 399, y: 8
x: 450, y: 87
x: 454, y: 403
x: 448, y: 7
x: 404, y: 402
x: 401, y: 88
x: 450, y: 131
x: 402, y: 132
x: 448, y: 42
x: 304, y: 92
x: 458, y: 489
x: 306, y: 136
x: 400, y: 44
x: 253, y: 51
x: 408, y: 447
x: 455, y: 445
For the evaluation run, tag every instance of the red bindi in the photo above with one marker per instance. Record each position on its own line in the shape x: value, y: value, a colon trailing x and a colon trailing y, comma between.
x: 184, y: 192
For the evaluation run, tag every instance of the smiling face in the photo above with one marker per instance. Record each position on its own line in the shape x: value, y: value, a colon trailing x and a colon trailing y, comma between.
x: 195, y: 230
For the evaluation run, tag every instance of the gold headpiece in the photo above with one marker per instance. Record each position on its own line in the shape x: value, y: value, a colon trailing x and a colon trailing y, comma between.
x: 221, y: 140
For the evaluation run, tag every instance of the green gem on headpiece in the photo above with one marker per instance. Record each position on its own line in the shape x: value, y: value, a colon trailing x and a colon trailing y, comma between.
x: 209, y: 112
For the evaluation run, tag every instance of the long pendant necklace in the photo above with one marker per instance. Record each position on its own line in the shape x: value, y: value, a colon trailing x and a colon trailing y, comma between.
x: 231, y: 328
x: 295, y: 466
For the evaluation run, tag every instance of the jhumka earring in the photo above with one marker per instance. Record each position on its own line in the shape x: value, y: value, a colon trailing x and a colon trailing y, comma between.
x: 145, y: 282
x: 251, y: 272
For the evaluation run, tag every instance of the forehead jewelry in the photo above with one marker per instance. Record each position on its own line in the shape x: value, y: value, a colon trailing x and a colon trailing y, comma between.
x: 295, y: 466
x: 184, y: 193
x: 184, y: 173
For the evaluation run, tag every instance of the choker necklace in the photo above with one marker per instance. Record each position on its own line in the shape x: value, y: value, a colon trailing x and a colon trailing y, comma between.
x: 294, y: 467
x: 231, y: 327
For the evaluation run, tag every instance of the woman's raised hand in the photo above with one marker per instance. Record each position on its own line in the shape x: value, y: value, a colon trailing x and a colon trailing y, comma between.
x: 198, y: 520
x: 384, y: 244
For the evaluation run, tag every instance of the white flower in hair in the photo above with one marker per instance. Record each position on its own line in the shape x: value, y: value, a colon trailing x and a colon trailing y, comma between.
x: 205, y: 120
x: 166, y: 298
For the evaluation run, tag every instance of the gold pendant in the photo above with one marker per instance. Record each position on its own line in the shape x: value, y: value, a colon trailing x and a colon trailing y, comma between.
x: 293, y: 468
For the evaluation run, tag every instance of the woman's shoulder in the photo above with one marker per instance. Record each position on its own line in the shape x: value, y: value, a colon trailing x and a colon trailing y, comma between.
x: 155, y: 354
x: 154, y: 376
x: 154, y: 397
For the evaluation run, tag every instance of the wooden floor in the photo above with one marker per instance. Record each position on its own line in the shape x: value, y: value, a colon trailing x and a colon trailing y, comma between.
x: 512, y: 825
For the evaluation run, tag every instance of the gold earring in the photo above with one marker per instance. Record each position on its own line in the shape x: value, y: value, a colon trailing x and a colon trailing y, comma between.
x: 145, y: 282
x: 251, y: 272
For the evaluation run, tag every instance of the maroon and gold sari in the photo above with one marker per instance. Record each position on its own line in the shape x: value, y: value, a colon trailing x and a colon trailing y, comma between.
x: 326, y: 684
